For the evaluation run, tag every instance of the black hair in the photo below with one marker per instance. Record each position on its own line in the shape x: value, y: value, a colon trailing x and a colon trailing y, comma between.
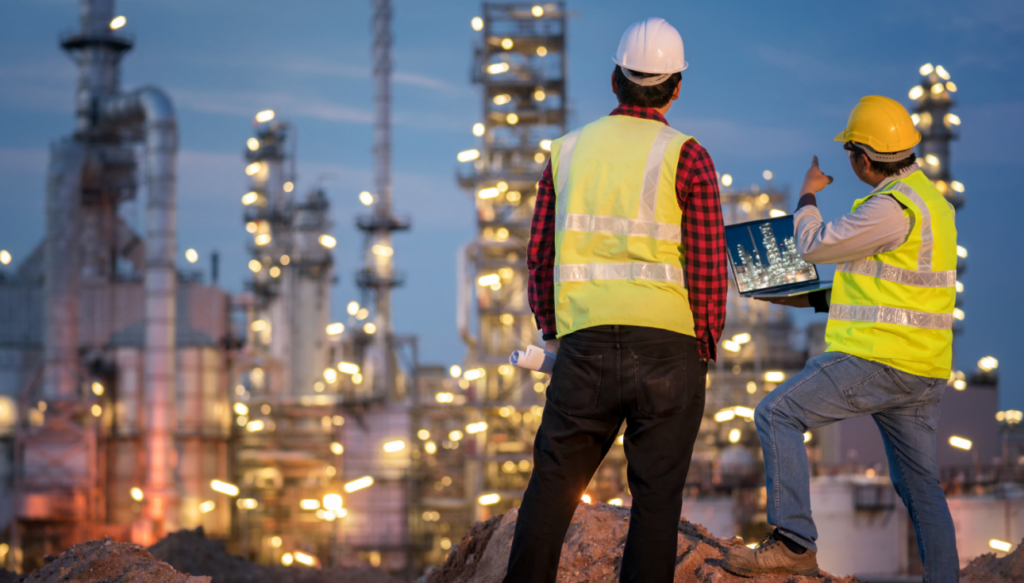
x: 883, y: 168
x: 630, y: 93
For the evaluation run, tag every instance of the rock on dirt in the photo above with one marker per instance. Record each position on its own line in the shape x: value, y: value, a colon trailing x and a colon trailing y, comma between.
x: 989, y: 569
x: 106, y: 561
x: 192, y: 552
x: 592, y: 552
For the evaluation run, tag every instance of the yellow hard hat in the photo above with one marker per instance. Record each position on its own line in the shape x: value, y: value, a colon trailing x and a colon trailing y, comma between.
x: 881, y: 123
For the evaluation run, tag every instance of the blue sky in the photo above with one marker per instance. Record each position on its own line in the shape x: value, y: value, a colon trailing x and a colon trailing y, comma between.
x: 769, y: 85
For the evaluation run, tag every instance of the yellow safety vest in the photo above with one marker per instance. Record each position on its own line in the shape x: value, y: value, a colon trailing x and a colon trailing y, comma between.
x: 619, y: 253
x: 896, y: 307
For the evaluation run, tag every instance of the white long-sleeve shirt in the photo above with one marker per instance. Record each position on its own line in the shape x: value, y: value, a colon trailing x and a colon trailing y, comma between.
x: 878, y: 225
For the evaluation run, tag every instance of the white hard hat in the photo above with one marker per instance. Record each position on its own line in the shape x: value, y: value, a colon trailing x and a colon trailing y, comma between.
x: 650, y: 46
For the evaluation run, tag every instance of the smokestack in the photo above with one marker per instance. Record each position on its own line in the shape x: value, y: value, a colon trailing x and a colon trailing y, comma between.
x: 214, y: 267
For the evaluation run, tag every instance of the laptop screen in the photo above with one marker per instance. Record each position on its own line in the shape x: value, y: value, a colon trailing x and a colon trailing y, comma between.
x: 763, y: 255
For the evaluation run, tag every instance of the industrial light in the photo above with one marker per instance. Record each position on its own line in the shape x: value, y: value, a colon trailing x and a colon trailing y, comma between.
x: 731, y: 346
x: 489, y: 499
x: 1000, y: 545
x: 366, y: 198
x: 337, y: 448
x: 258, y: 325
x: 915, y: 118
x: 478, y: 129
x: 960, y: 442
x: 137, y: 494
x: 328, y: 241
x: 455, y: 435
x: 506, y: 43
x: 959, y: 287
x: 937, y: 89
x: 468, y: 155
x: 776, y: 213
x: 916, y: 92
x: 539, y: 158
x: 444, y: 397
x: 745, y: 412
x: 394, y: 446
x: 455, y: 371
x: 338, y: 420
x: 774, y: 376
x: 958, y: 314
x: 941, y: 72
x: 726, y: 180
x: 97, y: 388
x: 807, y: 436
x: 207, y: 507
x: 309, y: 504
x: 289, y: 186
x: 537, y: 11
x: 191, y: 255
x: 253, y: 144
x: 474, y: 374
x: 5, y: 257
x: 615, y: 502
x: 988, y: 364
x: 352, y: 308
x: 251, y: 227
x: 364, y: 482
x: 961, y: 252
x: 118, y: 22
x: 512, y: 119
x: 497, y: 68
x: 330, y: 375
x: 477, y: 23
x: 370, y: 328
x: 430, y: 447
x: 348, y: 367
x: 362, y: 314
x: 957, y: 185
x: 952, y: 119
x: 735, y: 435
x: 950, y: 86
x: 539, y: 95
x: 741, y: 338
x: 241, y: 409
x: 926, y: 69
x: 250, y: 198
x: 224, y: 487
x: 335, y: 328
x: 382, y: 250
x: 96, y: 410
x: 542, y: 51
x: 253, y: 168
x: 287, y: 559
x: 751, y: 387
x: 265, y: 115
x: 423, y: 434
x: 725, y: 415
x: 486, y: 193
x: 332, y: 502
x: 586, y: 499
x: 247, y: 503
x: 308, y: 560
x: 767, y: 174
x: 255, y: 425
x: 513, y: 196
x: 478, y: 427
x: 545, y: 145
x: 960, y: 385
x: 357, y: 379
x: 262, y: 239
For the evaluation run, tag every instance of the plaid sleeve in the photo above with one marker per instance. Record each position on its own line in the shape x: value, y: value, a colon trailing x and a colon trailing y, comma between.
x: 540, y: 256
x: 704, y: 237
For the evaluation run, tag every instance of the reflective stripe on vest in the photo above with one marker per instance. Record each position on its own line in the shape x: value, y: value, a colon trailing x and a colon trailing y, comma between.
x: 596, y: 271
x: 890, y: 315
x: 875, y: 268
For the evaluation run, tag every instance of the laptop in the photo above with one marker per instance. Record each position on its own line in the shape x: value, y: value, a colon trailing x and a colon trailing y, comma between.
x: 765, y: 263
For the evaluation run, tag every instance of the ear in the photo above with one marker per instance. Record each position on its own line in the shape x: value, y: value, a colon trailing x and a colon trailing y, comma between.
x: 615, y: 87
x: 866, y: 162
x: 675, y: 94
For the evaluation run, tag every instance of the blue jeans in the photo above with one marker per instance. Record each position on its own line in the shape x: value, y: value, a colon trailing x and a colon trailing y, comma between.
x: 835, y: 386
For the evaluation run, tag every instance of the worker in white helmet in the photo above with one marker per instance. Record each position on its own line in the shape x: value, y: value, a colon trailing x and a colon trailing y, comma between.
x: 628, y: 284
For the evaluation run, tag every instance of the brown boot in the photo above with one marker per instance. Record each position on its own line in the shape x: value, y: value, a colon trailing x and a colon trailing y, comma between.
x: 770, y: 556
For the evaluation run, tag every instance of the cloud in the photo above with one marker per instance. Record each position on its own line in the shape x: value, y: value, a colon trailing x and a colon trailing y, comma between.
x: 246, y: 103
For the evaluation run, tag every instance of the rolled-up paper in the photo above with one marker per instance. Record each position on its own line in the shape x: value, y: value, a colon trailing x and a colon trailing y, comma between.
x: 533, y: 358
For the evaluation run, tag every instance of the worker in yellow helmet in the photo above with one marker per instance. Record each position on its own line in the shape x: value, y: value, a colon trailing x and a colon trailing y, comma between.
x: 889, y: 336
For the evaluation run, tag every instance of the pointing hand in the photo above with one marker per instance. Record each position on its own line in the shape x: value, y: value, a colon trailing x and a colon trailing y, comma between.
x: 815, y: 180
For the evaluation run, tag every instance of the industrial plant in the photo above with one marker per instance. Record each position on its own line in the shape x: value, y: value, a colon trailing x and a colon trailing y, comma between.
x: 138, y: 398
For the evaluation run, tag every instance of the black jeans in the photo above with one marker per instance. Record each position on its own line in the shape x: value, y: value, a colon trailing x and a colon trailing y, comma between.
x: 654, y: 380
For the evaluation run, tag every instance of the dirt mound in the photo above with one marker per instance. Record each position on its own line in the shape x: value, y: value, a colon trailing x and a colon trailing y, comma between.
x: 191, y: 551
x: 106, y: 561
x: 989, y: 569
x: 593, y: 550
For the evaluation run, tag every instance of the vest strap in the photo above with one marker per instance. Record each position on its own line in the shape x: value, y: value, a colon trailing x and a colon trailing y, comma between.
x: 891, y: 315
x: 620, y: 271
x: 564, y: 165
x: 924, y: 256
x: 883, y: 271
x: 652, y: 173
x: 619, y: 226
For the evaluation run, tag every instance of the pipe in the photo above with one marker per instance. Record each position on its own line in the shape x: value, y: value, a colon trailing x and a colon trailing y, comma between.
x: 150, y: 110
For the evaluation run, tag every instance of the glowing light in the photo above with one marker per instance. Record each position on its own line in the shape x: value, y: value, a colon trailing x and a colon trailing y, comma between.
x: 537, y: 11
x: 423, y: 434
x: 474, y: 374
x: 332, y: 502
x: 328, y: 241
x: 506, y: 43
x: 250, y: 198
x: 915, y: 118
x: 586, y: 499
x: 542, y: 51
x: 468, y: 155
x: 477, y: 23
x: 735, y: 435
x: 545, y: 145
x: 308, y: 560
x: 289, y: 186
x: 478, y: 129
x: 352, y: 308
x: 258, y: 325
x: 253, y: 144
x: 382, y: 250
x: 941, y: 72
x: 725, y: 415
x: 950, y: 86
x: 455, y: 371
x: 393, y: 446
x: 497, y: 68
x: 988, y: 364
x: 97, y: 388
x: 1000, y: 545
x: 287, y: 559
x: 961, y: 252
x: 337, y: 448
x: 741, y: 338
x: 958, y: 314
x: 486, y: 193
x: 512, y: 119
x: 5, y: 257
x: 191, y: 255
x: 335, y: 328
x: 348, y: 367
x: 207, y: 507
x: 539, y: 95
x: 478, y: 427
x: 960, y: 385
x: 489, y: 499
x: 960, y: 442
x: 262, y: 239
x: 455, y: 435
x: 255, y: 425
x: 247, y: 503
x: 731, y: 346
x: 751, y: 387
x: 309, y: 504
x: 96, y: 410
x: 357, y: 379
x: 430, y: 447
x: 916, y: 92
x: 362, y: 314
x: 775, y: 376
x: 370, y: 328
x: 253, y: 168
x: 745, y: 412
x: 444, y: 397
x: 807, y: 436
x: 539, y: 158
x: 224, y: 487
x: 957, y: 185
x: 615, y: 502
x: 776, y: 213
x: 251, y: 227
x: 489, y: 279
x: 726, y: 180
x: 937, y: 89
x: 361, y: 483
x: 959, y: 287
x: 926, y: 69
x: 331, y: 376
x: 241, y: 409
x: 265, y: 115
x: 366, y: 198
x: 767, y: 174
x: 952, y: 119
x: 137, y: 494
x: 118, y: 22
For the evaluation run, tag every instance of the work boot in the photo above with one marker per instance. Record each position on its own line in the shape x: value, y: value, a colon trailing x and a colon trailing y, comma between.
x: 770, y: 556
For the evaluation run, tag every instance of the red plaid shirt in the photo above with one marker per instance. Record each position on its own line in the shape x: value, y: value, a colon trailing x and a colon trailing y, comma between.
x: 703, y: 234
